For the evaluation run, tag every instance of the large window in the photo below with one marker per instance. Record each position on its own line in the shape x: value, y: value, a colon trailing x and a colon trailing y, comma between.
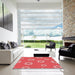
x: 40, y: 24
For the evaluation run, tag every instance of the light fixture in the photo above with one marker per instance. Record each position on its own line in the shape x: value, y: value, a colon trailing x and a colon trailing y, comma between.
x: 38, y: 0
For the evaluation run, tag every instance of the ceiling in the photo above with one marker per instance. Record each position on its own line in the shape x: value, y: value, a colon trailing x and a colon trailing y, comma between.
x: 42, y: 4
x: 51, y: 1
x: 34, y: 4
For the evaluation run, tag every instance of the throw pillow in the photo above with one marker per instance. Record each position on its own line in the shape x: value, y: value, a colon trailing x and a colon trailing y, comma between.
x: 9, y: 46
x: 3, y: 45
x: 13, y: 44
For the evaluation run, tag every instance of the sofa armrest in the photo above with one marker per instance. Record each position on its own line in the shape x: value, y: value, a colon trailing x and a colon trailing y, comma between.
x: 6, y: 57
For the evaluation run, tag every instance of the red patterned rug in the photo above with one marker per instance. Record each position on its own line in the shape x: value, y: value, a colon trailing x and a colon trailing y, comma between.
x: 37, y: 63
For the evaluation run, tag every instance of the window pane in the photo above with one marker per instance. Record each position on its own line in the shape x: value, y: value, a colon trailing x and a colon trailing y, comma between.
x: 41, y: 23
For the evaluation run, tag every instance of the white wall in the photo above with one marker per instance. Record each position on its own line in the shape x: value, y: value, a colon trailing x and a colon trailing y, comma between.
x: 6, y: 35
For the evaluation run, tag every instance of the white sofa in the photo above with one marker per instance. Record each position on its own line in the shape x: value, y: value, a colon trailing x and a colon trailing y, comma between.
x: 9, y: 55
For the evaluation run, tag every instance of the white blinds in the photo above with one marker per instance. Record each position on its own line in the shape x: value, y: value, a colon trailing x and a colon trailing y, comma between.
x: 40, y: 19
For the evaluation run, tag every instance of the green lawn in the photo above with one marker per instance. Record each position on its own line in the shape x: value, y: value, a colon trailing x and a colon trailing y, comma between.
x: 39, y: 44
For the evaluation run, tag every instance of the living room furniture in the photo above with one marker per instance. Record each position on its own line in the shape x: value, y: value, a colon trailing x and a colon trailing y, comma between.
x: 51, y: 45
x: 68, y: 52
x: 7, y: 56
x: 41, y: 54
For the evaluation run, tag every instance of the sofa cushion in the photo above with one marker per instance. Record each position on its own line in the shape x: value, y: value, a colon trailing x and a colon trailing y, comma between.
x: 16, y: 52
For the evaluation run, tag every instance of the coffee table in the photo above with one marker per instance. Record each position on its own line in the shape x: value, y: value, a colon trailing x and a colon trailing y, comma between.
x: 41, y: 54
